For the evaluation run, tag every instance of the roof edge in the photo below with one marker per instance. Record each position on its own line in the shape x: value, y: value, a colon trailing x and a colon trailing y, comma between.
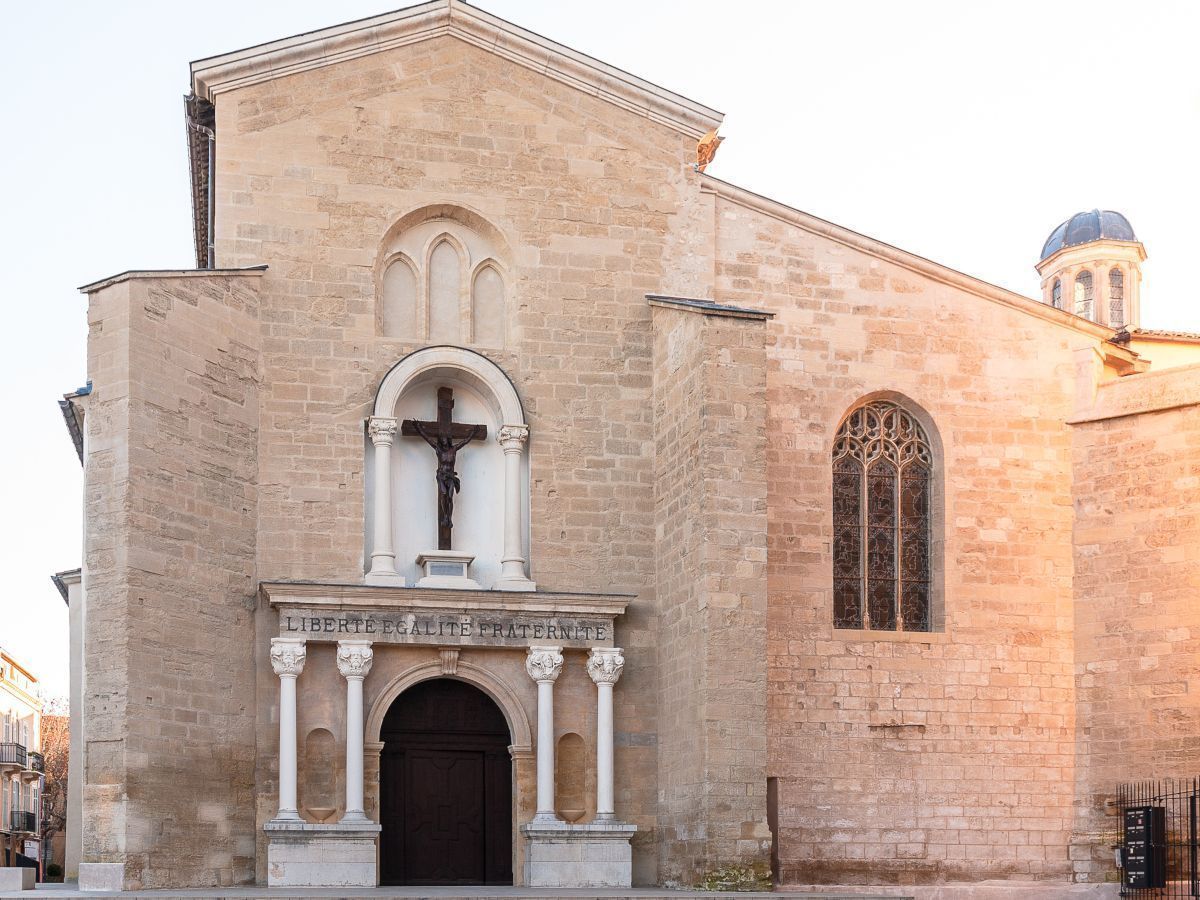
x: 63, y: 579
x: 709, y: 307
x: 1044, y: 265
x: 351, y: 40
x: 918, y: 264
x: 130, y: 274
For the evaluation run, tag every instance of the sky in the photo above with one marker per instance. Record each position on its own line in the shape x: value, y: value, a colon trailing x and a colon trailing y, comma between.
x: 963, y: 132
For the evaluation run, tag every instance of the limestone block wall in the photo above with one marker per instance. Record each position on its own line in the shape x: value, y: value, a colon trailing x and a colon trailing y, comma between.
x: 170, y: 503
x: 1137, y: 572
x: 313, y: 169
x: 931, y: 756
x: 710, y: 499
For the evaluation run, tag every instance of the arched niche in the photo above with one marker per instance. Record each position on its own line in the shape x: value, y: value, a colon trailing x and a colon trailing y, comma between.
x: 319, y: 795
x: 491, y: 514
x: 448, y: 247
x: 400, y: 306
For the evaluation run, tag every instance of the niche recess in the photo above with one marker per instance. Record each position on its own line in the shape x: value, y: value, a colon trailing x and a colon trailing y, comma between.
x: 442, y: 279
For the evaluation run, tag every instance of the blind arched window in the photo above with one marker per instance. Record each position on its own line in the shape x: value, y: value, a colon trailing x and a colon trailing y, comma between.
x: 1116, y: 297
x: 1083, y: 294
x: 1056, y: 294
x: 882, y: 484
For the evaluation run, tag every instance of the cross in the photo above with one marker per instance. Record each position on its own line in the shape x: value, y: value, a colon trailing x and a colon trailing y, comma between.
x: 446, y: 437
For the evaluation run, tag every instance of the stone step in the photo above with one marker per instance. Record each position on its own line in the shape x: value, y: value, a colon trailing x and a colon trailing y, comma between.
x: 48, y: 891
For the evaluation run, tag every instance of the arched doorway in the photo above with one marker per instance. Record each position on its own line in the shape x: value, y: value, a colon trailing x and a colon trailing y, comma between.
x: 445, y: 788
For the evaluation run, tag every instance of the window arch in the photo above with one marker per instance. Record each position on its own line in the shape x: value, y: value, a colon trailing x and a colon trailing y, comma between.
x: 1116, y: 297
x: 1083, y: 294
x: 882, y: 521
x: 1056, y: 294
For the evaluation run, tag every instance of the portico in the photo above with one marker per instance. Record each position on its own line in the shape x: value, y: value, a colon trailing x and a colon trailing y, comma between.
x: 382, y: 641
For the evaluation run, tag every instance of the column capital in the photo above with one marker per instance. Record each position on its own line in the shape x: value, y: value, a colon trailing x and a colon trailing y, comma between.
x: 605, y: 664
x: 354, y: 658
x: 382, y: 430
x: 544, y: 663
x: 287, y: 656
x: 513, y: 437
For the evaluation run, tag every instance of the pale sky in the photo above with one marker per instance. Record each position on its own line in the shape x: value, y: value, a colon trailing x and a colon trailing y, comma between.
x: 963, y: 132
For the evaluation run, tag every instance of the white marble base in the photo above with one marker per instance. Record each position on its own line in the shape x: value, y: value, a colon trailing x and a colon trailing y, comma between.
x: 301, y: 854
x: 386, y: 580
x: 447, y: 569
x: 578, y: 856
x: 16, y: 878
x: 101, y: 876
x: 514, y: 584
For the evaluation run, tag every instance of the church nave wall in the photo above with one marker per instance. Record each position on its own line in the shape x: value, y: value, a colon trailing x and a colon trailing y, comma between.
x: 949, y: 754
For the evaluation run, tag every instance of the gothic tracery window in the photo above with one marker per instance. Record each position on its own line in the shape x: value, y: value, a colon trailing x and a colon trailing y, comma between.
x: 882, y: 483
x: 1116, y: 297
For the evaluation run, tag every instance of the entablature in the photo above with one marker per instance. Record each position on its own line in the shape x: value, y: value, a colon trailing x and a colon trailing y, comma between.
x: 443, y: 617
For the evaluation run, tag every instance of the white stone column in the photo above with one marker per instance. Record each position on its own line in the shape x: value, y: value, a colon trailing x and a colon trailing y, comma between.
x: 287, y: 659
x: 383, y: 557
x: 354, y: 662
x: 605, y: 665
x: 513, y: 439
x: 543, y: 665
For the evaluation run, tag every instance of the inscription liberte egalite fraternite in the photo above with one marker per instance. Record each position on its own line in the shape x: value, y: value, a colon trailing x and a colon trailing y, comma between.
x: 450, y: 628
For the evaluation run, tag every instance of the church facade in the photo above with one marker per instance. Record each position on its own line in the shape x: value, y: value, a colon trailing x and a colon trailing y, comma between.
x: 503, y: 500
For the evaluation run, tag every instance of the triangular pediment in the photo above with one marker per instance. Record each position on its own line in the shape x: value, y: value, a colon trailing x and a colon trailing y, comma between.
x: 351, y: 40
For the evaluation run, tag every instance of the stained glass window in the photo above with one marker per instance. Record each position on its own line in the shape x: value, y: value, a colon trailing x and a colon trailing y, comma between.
x: 882, y: 479
x: 1116, y: 297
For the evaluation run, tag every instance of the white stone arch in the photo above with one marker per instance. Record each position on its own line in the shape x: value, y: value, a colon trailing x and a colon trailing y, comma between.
x: 422, y: 370
x: 502, y: 695
x: 464, y: 364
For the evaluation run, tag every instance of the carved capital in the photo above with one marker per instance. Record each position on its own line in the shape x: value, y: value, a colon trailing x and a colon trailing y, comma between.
x: 605, y: 664
x: 354, y: 658
x: 382, y: 430
x: 287, y: 656
x: 513, y: 437
x: 544, y: 663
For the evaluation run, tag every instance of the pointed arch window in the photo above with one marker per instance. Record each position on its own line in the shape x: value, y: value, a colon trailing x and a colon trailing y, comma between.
x: 1056, y: 294
x: 882, y: 529
x: 1083, y: 294
x: 1116, y: 298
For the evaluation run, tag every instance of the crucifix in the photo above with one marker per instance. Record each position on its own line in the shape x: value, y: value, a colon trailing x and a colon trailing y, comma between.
x: 446, y: 437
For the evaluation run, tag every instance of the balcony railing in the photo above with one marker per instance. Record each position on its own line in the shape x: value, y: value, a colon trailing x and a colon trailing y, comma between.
x: 12, y: 752
x: 37, y: 762
x: 23, y: 821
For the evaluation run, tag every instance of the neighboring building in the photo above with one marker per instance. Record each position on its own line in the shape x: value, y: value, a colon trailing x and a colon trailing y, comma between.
x: 893, y: 570
x: 22, y: 766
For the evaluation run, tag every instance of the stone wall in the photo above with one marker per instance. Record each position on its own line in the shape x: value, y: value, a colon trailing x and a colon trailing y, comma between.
x: 927, y: 756
x: 1137, y: 622
x: 710, y: 497
x: 315, y: 169
x: 170, y: 504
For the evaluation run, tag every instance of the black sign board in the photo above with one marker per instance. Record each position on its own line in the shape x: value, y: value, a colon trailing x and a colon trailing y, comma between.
x: 1145, y: 851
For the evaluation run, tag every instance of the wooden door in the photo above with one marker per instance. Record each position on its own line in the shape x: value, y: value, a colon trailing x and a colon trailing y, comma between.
x: 445, y: 788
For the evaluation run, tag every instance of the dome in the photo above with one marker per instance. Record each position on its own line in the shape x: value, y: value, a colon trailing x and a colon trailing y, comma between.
x: 1085, y: 227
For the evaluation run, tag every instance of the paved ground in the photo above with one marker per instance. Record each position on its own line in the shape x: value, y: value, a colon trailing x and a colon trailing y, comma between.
x: 47, y: 891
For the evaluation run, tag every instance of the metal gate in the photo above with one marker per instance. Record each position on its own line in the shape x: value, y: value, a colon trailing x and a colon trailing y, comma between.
x: 1158, y: 850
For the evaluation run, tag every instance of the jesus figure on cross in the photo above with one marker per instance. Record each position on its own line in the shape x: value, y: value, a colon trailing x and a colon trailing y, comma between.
x: 446, y: 437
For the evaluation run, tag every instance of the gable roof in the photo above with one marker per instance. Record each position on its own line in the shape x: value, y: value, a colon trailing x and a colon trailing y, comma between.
x: 351, y: 40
